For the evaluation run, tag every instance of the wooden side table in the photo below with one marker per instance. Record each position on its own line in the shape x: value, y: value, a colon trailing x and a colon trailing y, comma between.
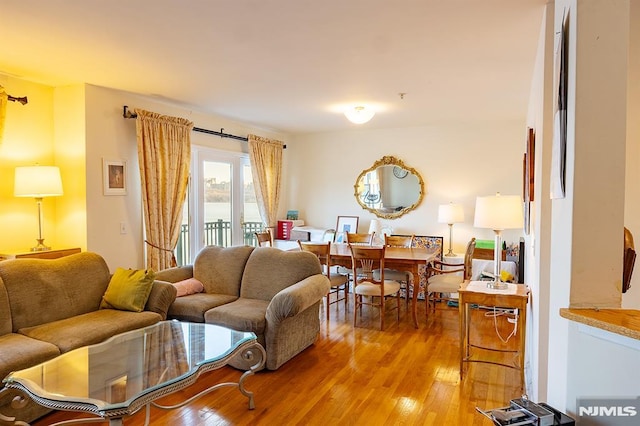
x: 477, y: 293
x: 48, y: 254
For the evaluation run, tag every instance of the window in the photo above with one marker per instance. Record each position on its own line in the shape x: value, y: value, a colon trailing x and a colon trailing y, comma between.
x: 221, y: 207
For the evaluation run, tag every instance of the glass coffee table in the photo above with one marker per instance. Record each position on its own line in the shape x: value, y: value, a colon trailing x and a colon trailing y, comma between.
x: 116, y: 378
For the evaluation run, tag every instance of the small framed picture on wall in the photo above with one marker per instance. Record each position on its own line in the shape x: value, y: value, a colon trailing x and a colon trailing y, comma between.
x: 114, y: 177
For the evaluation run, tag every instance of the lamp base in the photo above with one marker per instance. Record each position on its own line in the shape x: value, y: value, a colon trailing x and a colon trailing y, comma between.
x: 497, y: 285
x: 40, y: 246
x: 451, y: 253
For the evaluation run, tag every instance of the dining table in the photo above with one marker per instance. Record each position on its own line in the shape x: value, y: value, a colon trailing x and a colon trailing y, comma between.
x: 398, y: 258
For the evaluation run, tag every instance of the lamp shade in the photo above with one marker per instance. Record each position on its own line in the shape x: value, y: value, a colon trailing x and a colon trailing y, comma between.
x: 37, y: 182
x: 375, y: 226
x: 499, y: 212
x: 359, y: 114
x: 450, y: 213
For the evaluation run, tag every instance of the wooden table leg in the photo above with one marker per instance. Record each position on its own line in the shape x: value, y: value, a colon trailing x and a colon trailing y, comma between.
x: 522, y: 321
x: 518, y: 301
x: 464, y: 331
x: 416, y: 289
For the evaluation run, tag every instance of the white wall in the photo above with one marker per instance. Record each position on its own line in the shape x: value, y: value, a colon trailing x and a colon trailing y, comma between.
x: 458, y: 161
x: 603, y: 364
x: 562, y: 362
x: 538, y: 242
x: 631, y: 299
x: 586, y: 226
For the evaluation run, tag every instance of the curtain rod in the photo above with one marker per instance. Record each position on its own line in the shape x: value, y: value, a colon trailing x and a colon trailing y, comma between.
x: 128, y: 114
x: 23, y: 100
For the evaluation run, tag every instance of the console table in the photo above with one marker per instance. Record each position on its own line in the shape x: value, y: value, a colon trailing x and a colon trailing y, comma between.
x: 117, y: 377
x: 477, y: 293
x: 46, y: 254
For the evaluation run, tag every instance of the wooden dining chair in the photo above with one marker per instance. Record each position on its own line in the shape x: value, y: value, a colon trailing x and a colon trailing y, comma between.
x: 445, y: 278
x: 339, y: 282
x: 264, y: 238
x: 403, y: 277
x: 366, y: 259
x: 356, y: 239
x: 360, y: 239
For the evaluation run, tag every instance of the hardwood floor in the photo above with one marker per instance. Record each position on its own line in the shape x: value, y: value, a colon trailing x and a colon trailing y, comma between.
x: 355, y: 376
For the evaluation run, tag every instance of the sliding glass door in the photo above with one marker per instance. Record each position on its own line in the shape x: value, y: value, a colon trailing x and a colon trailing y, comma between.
x: 221, y: 208
x: 216, y: 181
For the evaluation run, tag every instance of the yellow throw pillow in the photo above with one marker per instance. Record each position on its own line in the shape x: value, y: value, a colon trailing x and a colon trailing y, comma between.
x: 128, y: 290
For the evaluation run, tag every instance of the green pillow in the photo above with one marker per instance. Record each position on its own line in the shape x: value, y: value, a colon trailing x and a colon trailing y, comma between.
x: 128, y: 290
x: 485, y: 244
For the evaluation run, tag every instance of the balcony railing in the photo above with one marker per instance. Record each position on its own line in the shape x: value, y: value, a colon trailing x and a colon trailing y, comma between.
x: 216, y: 233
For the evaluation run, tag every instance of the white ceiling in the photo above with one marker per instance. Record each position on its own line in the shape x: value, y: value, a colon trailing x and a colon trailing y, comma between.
x: 287, y: 65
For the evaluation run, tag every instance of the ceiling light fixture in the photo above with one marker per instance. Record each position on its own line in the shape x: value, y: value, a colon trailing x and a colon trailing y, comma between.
x: 359, y: 114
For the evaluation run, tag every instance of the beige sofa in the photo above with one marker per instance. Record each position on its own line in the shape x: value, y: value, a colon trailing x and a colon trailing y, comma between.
x: 273, y: 293
x: 48, y: 307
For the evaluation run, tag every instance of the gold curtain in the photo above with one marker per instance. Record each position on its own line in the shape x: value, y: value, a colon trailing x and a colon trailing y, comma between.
x: 3, y: 110
x: 164, y: 155
x: 266, y: 166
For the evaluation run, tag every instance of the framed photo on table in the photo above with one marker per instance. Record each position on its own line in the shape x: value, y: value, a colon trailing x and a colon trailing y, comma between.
x: 114, y: 177
x: 345, y: 224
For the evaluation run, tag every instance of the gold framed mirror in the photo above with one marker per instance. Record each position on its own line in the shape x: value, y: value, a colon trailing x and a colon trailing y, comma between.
x: 389, y: 188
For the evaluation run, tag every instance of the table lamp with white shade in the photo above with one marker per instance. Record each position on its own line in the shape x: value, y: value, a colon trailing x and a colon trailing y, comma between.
x: 380, y: 231
x: 498, y: 212
x: 374, y: 228
x: 38, y: 182
x: 450, y: 213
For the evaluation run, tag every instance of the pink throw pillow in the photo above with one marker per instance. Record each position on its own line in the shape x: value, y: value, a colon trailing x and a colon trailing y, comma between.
x: 188, y: 286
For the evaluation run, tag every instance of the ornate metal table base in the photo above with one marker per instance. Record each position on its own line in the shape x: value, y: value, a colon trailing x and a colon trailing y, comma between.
x: 249, y: 350
x: 18, y: 401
